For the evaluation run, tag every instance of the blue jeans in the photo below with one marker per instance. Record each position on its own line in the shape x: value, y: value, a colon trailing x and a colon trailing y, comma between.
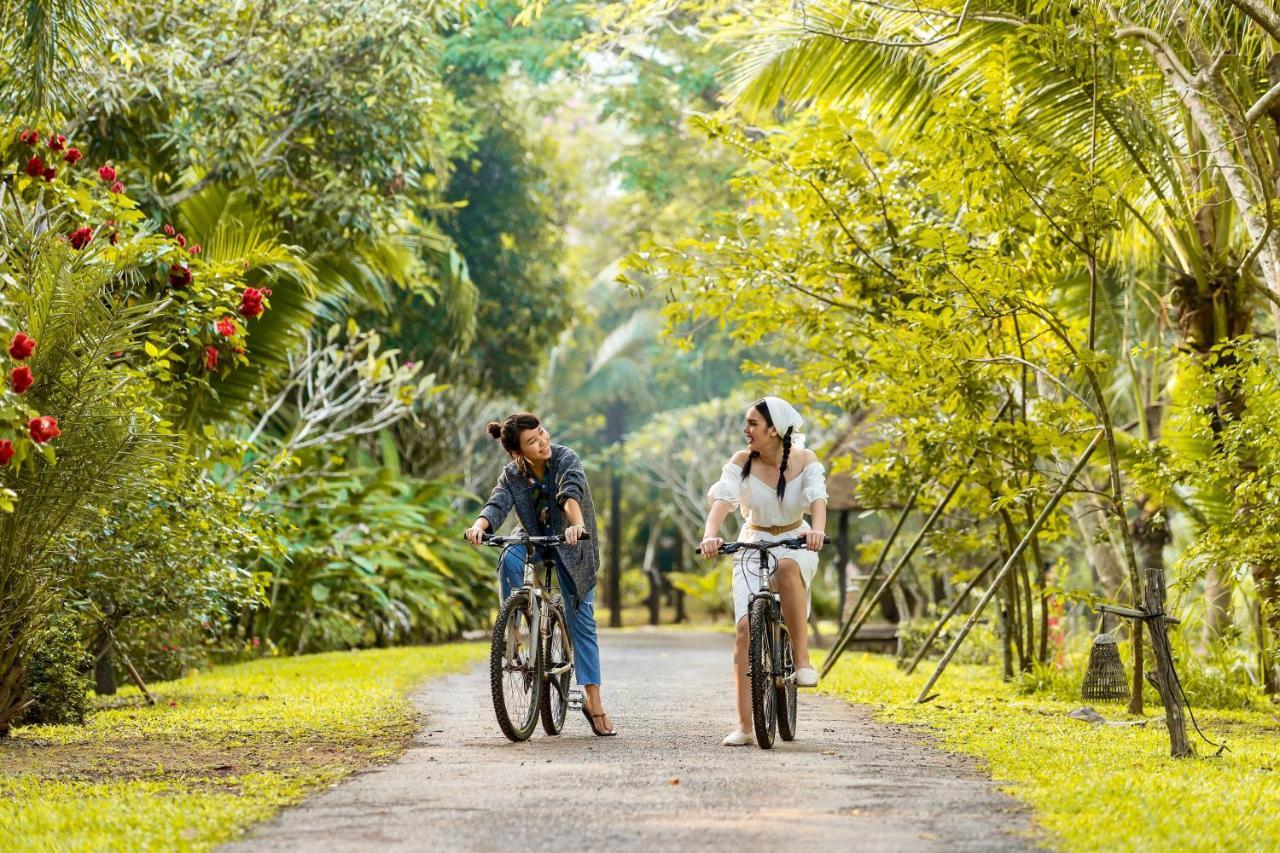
x: 581, y: 615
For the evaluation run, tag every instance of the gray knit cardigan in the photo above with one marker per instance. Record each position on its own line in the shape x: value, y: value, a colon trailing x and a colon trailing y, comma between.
x: 569, y: 481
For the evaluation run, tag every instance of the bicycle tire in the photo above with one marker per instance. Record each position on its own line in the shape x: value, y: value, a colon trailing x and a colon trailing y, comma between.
x: 519, y: 725
x: 556, y: 651
x: 763, y: 695
x: 785, y: 698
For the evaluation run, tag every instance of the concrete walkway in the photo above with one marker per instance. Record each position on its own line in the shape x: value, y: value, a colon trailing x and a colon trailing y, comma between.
x: 665, y: 783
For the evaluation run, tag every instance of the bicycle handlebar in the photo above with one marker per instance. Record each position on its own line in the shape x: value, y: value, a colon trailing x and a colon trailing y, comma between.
x: 795, y: 543
x: 503, y: 541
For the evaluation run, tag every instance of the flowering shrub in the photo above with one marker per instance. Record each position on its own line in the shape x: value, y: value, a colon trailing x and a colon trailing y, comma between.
x: 106, y: 325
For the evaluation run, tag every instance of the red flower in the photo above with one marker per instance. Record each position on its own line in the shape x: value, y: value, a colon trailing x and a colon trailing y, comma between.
x: 80, y: 237
x: 251, y: 302
x: 50, y: 173
x: 72, y: 156
x: 226, y: 327
x: 211, y: 357
x: 182, y: 240
x: 179, y: 276
x: 30, y: 136
x: 107, y: 174
x: 6, y: 446
x: 34, y: 167
x: 43, y: 429
x: 117, y: 188
x: 21, y: 379
x: 168, y: 230
x: 196, y: 249
x: 57, y: 141
x: 22, y: 346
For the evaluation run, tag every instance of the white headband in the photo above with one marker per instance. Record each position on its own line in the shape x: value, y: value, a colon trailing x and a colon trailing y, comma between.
x: 784, y: 417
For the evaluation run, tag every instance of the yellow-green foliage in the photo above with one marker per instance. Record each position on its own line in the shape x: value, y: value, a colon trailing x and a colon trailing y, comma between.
x: 1092, y: 787
x: 219, y: 751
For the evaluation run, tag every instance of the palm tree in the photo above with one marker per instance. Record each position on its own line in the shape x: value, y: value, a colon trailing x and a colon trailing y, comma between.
x: 1201, y: 141
x: 614, y: 381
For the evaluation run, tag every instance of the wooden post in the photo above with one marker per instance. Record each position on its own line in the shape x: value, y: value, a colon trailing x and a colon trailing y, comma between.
x: 1163, y: 654
x: 1008, y: 566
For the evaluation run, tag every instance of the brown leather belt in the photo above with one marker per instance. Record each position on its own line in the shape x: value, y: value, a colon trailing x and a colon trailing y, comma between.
x: 775, y: 529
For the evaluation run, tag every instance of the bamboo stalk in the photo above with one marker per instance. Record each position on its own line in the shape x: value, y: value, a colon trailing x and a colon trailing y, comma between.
x: 951, y: 611
x: 856, y: 621
x: 1008, y: 565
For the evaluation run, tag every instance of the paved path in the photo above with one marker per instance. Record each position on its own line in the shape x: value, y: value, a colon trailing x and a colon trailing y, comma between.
x: 665, y: 783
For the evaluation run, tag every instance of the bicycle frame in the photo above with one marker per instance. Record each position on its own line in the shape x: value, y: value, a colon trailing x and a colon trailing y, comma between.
x: 542, y: 595
x: 778, y: 625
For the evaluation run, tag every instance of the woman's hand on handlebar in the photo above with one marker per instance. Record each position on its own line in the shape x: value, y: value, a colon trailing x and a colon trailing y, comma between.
x: 710, y: 546
x: 814, y: 539
x: 475, y: 534
x: 574, y: 532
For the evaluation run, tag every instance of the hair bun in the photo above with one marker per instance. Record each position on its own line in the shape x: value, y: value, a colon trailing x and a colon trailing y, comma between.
x: 495, y: 429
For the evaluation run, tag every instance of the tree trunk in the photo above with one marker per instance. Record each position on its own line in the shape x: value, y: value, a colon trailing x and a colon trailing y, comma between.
x: 1160, y: 650
x: 1099, y: 548
x: 1267, y: 577
x: 1217, y: 604
x: 13, y: 689
x: 681, y: 616
x: 842, y: 558
x: 615, y: 427
x: 651, y: 570
x: 104, y: 674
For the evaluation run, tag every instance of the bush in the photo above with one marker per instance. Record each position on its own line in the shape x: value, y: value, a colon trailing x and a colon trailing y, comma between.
x: 56, y: 678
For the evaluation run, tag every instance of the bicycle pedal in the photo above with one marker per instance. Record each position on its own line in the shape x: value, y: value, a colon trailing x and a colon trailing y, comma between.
x: 575, y: 699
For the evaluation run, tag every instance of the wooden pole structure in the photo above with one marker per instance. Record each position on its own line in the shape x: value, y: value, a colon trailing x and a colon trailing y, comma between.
x: 857, y: 619
x: 1008, y: 566
x: 951, y: 611
x: 884, y: 552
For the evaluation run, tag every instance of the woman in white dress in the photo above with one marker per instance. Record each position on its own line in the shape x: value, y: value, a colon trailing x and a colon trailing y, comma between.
x: 774, y: 481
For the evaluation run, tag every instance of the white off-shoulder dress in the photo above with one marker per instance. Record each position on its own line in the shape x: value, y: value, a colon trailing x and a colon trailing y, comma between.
x: 759, y: 504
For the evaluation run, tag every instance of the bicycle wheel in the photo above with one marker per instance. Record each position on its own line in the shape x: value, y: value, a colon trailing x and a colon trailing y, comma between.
x: 513, y: 670
x: 785, y: 696
x: 764, y: 708
x: 559, y: 674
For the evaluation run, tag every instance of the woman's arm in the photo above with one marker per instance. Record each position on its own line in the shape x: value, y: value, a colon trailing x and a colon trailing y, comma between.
x: 711, y: 540
x: 494, y: 512
x: 577, y: 527
x: 816, y: 537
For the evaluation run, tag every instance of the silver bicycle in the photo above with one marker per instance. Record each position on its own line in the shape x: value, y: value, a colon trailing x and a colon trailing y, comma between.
x: 531, y: 657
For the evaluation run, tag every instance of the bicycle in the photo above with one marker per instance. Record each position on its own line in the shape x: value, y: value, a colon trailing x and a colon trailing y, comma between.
x: 531, y: 655
x: 771, y: 664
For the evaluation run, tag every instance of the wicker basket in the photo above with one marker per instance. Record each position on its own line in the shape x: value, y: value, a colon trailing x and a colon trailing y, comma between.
x: 1104, y: 680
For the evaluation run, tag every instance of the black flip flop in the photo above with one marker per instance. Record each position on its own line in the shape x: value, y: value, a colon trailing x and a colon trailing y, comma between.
x: 591, y: 718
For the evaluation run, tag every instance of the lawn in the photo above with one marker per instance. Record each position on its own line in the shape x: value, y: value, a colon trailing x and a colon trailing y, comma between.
x: 220, y: 750
x: 1092, y: 787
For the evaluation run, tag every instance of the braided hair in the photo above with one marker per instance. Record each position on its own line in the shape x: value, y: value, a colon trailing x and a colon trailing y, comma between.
x: 761, y: 407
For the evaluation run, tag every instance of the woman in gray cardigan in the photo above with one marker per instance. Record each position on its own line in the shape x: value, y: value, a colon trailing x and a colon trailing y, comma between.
x: 546, y: 486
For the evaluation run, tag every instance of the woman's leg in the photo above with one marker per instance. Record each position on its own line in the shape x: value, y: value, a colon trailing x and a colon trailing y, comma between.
x: 511, y: 570
x: 795, y: 608
x: 741, y: 679
x: 581, y: 616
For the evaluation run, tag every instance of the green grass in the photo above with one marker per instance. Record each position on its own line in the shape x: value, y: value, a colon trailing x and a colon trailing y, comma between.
x: 1092, y: 787
x: 219, y: 751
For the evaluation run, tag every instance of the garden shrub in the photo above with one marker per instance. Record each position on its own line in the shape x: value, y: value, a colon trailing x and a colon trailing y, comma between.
x: 56, y: 680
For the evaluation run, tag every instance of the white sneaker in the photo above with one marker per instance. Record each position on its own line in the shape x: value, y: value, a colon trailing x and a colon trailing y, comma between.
x: 737, y: 737
x: 806, y: 677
